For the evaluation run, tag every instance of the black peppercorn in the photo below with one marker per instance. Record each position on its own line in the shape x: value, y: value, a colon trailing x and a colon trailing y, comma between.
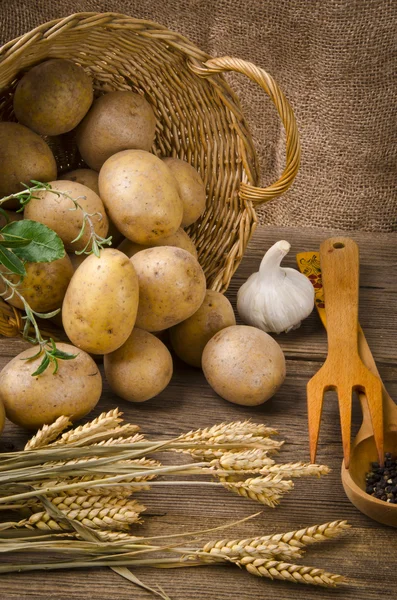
x: 381, y: 482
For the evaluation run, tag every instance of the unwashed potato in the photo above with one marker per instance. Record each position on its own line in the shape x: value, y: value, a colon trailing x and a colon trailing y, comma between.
x: 24, y: 156
x: 101, y: 302
x: 179, y: 239
x: 77, y: 259
x: 117, y: 121
x: 244, y: 365
x: 44, y: 285
x: 11, y: 216
x: 171, y: 286
x: 140, y: 369
x: 53, y: 97
x: 89, y: 178
x: 190, y: 337
x: 191, y: 189
x: 2, y: 417
x: 141, y: 196
x: 33, y: 401
x: 55, y: 212
x: 86, y: 177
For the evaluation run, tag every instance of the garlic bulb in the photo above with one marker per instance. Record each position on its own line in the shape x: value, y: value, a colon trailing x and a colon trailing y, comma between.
x: 275, y: 299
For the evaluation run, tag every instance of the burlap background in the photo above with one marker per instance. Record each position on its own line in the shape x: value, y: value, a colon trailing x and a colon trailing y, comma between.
x: 336, y: 62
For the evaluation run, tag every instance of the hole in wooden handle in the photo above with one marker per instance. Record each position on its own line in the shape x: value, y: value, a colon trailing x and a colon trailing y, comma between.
x: 339, y: 245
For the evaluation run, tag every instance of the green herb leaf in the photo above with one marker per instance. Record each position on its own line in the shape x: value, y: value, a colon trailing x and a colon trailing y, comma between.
x: 5, y: 215
x: 63, y: 355
x: 45, y: 245
x: 12, y: 262
x: 42, y: 367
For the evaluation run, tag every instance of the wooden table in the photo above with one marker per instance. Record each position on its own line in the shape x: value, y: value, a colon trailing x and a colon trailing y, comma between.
x: 367, y: 556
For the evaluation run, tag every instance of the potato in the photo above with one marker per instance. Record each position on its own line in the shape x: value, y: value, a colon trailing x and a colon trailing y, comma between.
x: 191, y: 189
x: 44, y: 285
x: 53, y: 97
x: 2, y: 417
x: 77, y: 259
x: 24, y: 155
x: 244, y: 365
x: 55, y: 212
x: 33, y: 401
x: 141, y: 196
x: 140, y: 369
x: 179, y: 239
x: 117, y: 121
x: 11, y: 215
x: 86, y: 177
x: 171, y: 286
x: 89, y: 178
x: 190, y: 337
x: 101, y: 302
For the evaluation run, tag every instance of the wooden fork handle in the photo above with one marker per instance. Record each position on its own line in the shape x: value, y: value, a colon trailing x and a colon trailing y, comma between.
x: 339, y: 259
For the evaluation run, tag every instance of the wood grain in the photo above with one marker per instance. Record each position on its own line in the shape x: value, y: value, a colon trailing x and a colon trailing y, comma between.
x: 366, y: 556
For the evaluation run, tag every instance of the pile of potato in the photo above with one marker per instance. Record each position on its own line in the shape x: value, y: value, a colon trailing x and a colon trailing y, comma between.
x: 117, y: 304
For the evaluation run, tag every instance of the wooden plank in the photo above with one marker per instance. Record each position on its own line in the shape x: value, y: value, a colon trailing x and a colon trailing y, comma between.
x: 366, y: 556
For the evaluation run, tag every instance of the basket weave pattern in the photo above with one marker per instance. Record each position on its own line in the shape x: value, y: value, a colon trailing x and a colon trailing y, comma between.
x: 199, y: 118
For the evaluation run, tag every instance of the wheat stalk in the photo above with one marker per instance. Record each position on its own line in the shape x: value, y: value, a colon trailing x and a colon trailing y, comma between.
x: 48, y: 433
x: 274, y: 569
x: 235, y: 428
x: 266, y: 490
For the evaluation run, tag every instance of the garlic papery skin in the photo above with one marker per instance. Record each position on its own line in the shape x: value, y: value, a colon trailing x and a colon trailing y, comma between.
x: 275, y: 299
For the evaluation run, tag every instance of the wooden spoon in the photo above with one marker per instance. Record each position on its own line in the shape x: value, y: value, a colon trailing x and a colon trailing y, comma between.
x: 363, y: 450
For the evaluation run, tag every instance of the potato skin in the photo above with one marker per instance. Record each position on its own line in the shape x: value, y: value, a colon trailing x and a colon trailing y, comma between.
x: 24, y: 155
x: 190, y: 337
x: 33, y: 401
x: 141, y: 196
x: 244, y: 365
x: 86, y: 177
x: 44, y: 285
x: 53, y: 97
x: 191, y: 189
x: 171, y: 286
x: 2, y: 417
x: 117, y: 121
x: 101, y: 302
x: 140, y: 369
x: 179, y: 239
x: 55, y: 212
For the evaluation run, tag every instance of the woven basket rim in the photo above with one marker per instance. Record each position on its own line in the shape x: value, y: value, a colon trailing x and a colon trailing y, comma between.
x: 50, y: 27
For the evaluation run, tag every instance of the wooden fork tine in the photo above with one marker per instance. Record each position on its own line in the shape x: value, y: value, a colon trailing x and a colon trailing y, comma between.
x: 373, y: 393
x: 315, y: 398
x: 345, y: 413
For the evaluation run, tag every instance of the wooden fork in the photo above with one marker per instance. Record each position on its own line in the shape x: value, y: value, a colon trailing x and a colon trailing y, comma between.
x: 343, y: 370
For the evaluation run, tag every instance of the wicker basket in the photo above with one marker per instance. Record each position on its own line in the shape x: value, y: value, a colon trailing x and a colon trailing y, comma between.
x: 199, y: 120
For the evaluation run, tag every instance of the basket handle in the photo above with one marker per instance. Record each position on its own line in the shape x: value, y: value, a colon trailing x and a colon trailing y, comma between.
x: 258, y: 195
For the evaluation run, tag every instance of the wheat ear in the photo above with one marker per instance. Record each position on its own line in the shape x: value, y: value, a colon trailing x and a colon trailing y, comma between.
x: 246, y: 461
x: 235, y: 550
x: 105, y: 421
x: 308, y: 535
x: 48, y: 433
x: 266, y: 490
x: 298, y: 469
x: 107, y: 513
x: 274, y: 569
